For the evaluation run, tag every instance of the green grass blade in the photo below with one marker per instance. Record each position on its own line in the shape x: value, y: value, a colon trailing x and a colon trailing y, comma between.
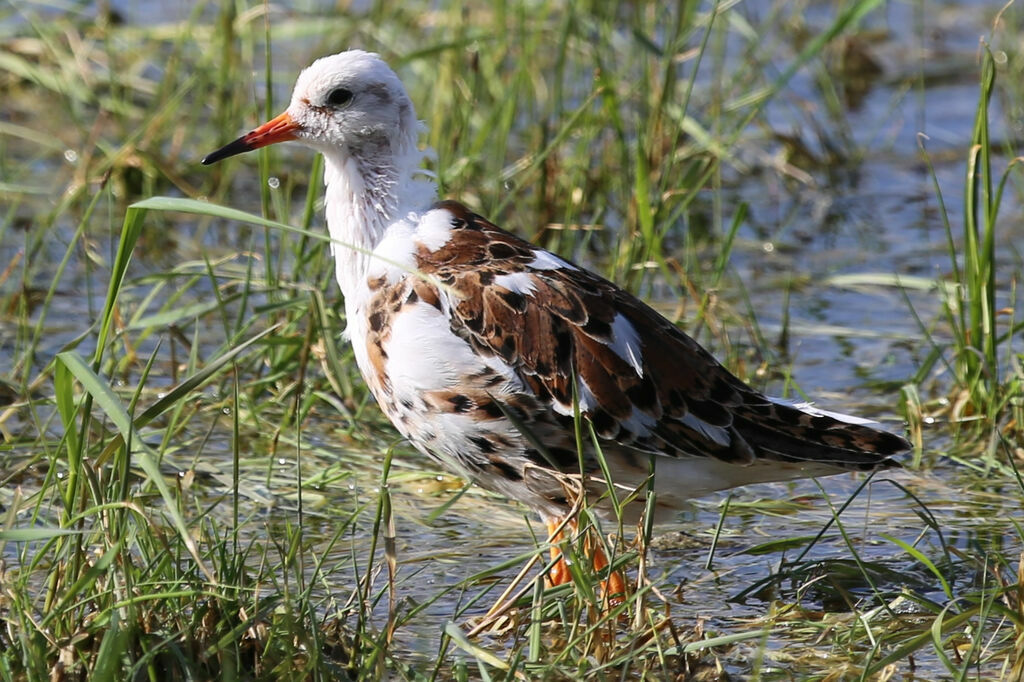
x: 917, y: 554
x: 112, y: 407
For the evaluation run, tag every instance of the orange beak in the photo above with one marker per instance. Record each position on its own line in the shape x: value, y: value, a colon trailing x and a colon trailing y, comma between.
x: 279, y: 129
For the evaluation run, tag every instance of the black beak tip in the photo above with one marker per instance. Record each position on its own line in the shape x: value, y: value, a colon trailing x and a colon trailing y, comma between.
x: 230, y: 149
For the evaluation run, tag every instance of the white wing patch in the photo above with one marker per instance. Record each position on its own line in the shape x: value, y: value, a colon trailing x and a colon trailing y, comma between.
x: 517, y: 282
x: 626, y: 343
x: 435, y: 228
x: 545, y: 260
x: 818, y: 412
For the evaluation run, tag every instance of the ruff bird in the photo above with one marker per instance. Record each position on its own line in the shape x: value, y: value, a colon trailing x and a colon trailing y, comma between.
x: 482, y: 348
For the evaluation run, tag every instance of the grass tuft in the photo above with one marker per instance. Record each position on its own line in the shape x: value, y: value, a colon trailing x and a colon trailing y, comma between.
x: 986, y: 392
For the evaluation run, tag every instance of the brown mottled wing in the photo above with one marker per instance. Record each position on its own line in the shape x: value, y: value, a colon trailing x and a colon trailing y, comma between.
x: 553, y: 323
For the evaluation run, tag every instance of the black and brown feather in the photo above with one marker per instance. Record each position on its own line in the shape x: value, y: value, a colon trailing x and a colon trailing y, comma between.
x: 685, y: 402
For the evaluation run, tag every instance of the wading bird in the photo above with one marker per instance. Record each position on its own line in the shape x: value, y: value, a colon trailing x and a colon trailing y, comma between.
x: 481, y: 348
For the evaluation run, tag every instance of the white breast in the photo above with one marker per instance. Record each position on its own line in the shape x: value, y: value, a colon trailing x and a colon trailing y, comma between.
x: 424, y: 354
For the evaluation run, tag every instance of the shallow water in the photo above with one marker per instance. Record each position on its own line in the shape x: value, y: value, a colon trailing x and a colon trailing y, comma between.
x: 857, y: 216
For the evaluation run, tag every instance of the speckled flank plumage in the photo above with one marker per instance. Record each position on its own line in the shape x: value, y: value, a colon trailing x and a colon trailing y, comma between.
x: 479, y: 346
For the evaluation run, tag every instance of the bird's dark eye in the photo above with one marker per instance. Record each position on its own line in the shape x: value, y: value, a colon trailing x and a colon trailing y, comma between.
x: 339, y: 97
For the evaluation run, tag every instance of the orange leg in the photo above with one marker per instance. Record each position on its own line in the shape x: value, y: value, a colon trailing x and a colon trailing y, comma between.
x: 559, y: 573
x: 614, y: 587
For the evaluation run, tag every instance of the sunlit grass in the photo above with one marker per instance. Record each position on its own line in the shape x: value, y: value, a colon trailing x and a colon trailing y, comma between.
x: 194, y: 482
x: 980, y: 300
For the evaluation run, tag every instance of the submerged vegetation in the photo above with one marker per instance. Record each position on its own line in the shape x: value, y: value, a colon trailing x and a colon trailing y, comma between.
x: 194, y: 482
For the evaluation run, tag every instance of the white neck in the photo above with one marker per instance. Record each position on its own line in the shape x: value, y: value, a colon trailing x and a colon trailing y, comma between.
x: 366, y: 193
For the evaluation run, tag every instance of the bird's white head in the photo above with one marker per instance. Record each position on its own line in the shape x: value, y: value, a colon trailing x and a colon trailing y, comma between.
x: 354, y: 102
x: 352, y: 108
x: 349, y: 104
